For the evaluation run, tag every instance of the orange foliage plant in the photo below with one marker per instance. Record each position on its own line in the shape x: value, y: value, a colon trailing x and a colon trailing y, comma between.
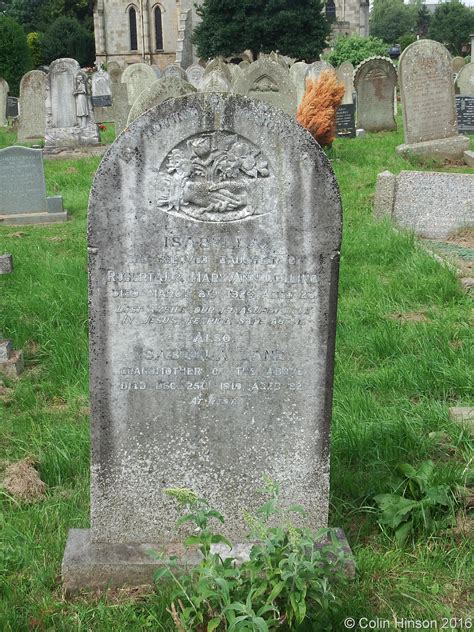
x: 317, y: 110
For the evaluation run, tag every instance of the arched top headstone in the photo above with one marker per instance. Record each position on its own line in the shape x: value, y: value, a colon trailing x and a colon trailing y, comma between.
x: 174, y: 70
x: 375, y: 80
x: 315, y: 69
x: 345, y: 74
x: 32, y: 105
x: 194, y: 74
x: 158, y: 92
x: 427, y: 92
x: 137, y: 77
x: 214, y: 230
x: 465, y: 80
x: 267, y: 80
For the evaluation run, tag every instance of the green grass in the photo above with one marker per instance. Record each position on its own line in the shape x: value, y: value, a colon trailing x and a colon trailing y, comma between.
x: 394, y: 382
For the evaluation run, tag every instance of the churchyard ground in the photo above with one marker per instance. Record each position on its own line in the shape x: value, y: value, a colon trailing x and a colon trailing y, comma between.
x: 403, y: 352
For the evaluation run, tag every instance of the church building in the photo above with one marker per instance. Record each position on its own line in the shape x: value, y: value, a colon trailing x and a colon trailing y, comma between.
x: 158, y: 32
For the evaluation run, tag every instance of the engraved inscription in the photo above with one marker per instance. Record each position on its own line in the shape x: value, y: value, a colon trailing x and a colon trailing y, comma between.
x: 213, y: 177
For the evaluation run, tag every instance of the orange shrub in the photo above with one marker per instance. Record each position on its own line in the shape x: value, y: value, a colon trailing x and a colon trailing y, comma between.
x: 317, y: 110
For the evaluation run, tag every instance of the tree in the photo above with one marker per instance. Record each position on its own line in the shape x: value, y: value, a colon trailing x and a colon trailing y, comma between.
x: 67, y: 38
x: 228, y: 27
x: 355, y: 49
x: 423, y: 19
x: 390, y: 19
x: 15, y: 57
x: 451, y: 24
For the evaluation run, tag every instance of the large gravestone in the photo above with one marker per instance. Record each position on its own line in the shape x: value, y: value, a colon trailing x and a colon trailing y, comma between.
x: 69, y: 115
x: 267, y: 80
x: 465, y: 80
x: 375, y: 81
x: 214, y: 234
x: 158, y: 92
x: 23, y: 197
x: 429, y: 110
x: 3, y: 102
x: 345, y: 74
x: 174, y: 70
x: 32, y: 105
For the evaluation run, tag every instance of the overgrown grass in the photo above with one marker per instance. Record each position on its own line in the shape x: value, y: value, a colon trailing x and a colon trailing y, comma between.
x: 404, y: 348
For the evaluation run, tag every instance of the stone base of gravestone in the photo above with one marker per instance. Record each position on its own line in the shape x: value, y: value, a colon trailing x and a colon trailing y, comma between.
x: 55, y: 214
x: 11, y: 362
x: 441, y: 149
x: 6, y: 263
x: 71, y: 136
x: 469, y: 158
x: 434, y: 205
x: 93, y: 566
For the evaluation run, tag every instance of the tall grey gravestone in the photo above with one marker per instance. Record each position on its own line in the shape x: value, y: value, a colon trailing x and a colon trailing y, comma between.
x: 267, y: 80
x: 4, y: 89
x: 297, y: 73
x: 429, y: 109
x: 345, y: 74
x: 214, y: 234
x: 69, y: 115
x: 32, y: 106
x: 23, y: 189
x: 375, y: 81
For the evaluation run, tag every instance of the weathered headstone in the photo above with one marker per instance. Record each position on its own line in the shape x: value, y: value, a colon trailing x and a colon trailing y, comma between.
x: 429, y: 111
x: 457, y: 63
x: 345, y: 121
x: 433, y: 205
x: 465, y: 114
x: 375, y: 80
x: 174, y: 70
x: 23, y: 189
x: 158, y: 72
x: 137, y: 77
x: 101, y: 90
x: 315, y: 69
x: 345, y: 74
x: 69, y: 114
x: 6, y: 263
x: 32, y: 105
x: 215, y: 81
x: 297, y: 73
x: 267, y: 80
x: 214, y: 234
x: 11, y: 361
x: 194, y: 74
x: 158, y: 92
x: 4, y: 89
x: 236, y: 72
x: 465, y: 80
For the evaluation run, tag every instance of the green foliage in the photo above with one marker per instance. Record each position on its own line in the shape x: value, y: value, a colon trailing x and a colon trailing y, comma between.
x: 34, y: 44
x: 423, y: 506
x: 15, y: 57
x: 355, y: 49
x: 406, y: 40
x: 451, y: 24
x: 229, y: 27
x: 38, y: 15
x: 288, y: 579
x: 390, y: 19
x: 423, y: 19
x: 67, y: 38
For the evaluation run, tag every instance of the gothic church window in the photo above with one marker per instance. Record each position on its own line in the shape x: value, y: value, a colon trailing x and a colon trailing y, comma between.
x: 158, y: 29
x: 132, y: 21
x: 330, y: 10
